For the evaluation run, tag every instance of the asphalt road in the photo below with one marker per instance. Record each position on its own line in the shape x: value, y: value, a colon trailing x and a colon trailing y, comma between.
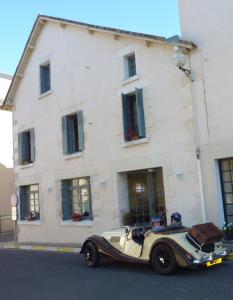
x: 42, y: 275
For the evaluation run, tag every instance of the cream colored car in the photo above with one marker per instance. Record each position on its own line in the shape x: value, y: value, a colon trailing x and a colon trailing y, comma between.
x: 165, y: 250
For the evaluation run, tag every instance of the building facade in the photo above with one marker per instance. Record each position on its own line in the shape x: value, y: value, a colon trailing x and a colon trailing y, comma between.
x: 103, y: 130
x: 213, y: 91
x: 6, y: 157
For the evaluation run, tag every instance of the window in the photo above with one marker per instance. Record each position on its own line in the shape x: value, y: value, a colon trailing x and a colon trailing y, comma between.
x: 226, y: 174
x: 133, y: 116
x: 76, y: 199
x: 29, y: 202
x: 45, y: 84
x: 73, y: 134
x: 26, y: 145
x: 130, y: 65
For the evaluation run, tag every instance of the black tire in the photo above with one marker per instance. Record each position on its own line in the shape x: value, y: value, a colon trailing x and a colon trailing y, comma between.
x: 163, y: 260
x: 92, y: 255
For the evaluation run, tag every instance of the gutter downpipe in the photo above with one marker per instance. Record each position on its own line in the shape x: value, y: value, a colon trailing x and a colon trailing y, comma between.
x: 199, y: 169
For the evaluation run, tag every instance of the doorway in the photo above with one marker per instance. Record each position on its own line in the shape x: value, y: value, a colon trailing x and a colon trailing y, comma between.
x: 146, y: 194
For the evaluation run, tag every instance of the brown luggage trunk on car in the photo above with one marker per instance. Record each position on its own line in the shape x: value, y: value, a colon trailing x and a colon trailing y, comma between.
x: 205, y: 233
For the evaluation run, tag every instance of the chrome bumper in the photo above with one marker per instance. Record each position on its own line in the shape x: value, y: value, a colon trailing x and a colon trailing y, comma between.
x: 209, y: 258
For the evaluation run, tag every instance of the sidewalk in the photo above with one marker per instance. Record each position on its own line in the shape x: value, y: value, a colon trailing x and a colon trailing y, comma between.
x: 7, y: 242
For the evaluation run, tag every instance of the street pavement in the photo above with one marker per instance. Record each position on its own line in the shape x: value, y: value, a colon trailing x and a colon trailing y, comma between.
x: 45, y: 275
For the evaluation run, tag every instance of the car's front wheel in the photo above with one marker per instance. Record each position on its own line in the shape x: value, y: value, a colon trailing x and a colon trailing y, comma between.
x: 92, y: 255
x: 163, y: 260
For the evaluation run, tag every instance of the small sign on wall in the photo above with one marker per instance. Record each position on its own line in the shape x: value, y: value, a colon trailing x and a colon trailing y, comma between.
x: 14, y: 200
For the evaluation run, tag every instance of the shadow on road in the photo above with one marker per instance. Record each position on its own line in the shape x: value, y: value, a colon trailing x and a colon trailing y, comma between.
x: 7, y: 237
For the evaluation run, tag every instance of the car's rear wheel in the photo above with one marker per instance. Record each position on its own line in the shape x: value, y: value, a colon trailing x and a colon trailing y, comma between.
x: 92, y: 255
x: 163, y: 260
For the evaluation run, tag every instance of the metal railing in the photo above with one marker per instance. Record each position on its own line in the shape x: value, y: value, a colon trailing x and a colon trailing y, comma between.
x: 6, y: 224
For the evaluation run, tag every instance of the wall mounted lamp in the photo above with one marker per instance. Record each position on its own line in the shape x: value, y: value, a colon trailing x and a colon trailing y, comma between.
x: 180, y: 60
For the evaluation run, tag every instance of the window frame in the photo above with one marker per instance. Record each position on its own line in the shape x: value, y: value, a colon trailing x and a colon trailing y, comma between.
x: 26, y: 212
x: 127, y: 73
x: 225, y: 193
x: 73, y: 136
x: 22, y: 151
x: 42, y: 67
x: 130, y: 133
x: 67, y: 197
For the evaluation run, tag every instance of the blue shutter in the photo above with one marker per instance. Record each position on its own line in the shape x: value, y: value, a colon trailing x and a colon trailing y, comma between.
x: 65, y: 134
x: 23, y: 199
x: 20, y: 148
x: 32, y: 144
x: 70, y: 134
x: 140, y: 113
x: 47, y: 77
x: 25, y: 146
x: 125, y: 110
x: 90, y: 198
x: 66, y: 199
x: 42, y: 80
x: 80, y: 130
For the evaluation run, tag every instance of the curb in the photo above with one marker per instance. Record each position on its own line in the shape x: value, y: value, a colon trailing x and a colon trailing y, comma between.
x: 230, y: 256
x: 43, y: 248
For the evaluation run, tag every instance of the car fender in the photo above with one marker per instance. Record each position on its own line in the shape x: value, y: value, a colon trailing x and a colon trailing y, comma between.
x: 90, y: 239
x: 183, y: 258
x: 106, y: 249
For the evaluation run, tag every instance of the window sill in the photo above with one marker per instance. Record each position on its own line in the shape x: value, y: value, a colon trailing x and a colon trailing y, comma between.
x: 30, y: 165
x: 84, y: 223
x: 135, y: 142
x: 130, y: 79
x: 29, y: 222
x: 45, y: 94
x: 73, y: 155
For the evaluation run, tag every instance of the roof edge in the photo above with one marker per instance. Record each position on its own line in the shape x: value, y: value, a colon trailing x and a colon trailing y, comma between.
x: 41, y: 20
x: 184, y: 43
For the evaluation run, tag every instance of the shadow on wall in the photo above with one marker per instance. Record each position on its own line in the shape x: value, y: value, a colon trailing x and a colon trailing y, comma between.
x: 6, y: 189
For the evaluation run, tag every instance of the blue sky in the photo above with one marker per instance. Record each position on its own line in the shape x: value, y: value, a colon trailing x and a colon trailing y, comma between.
x: 159, y: 17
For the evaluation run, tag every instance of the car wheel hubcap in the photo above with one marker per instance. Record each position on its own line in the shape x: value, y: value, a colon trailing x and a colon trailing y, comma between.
x: 163, y: 259
x: 89, y: 255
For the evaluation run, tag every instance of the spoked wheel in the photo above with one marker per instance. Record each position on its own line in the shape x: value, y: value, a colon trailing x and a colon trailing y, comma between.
x: 163, y: 260
x: 92, y: 255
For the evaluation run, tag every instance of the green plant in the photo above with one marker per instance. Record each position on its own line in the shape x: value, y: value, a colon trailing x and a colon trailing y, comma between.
x: 228, y: 228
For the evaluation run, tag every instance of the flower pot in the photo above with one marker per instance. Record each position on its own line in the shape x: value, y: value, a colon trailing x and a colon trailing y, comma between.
x: 228, y: 236
x: 76, y: 219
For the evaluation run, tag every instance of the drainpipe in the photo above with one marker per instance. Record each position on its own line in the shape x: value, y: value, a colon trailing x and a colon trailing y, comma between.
x: 199, y: 169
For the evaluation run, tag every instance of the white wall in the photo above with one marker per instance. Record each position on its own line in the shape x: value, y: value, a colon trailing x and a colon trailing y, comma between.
x: 209, y: 24
x: 87, y: 74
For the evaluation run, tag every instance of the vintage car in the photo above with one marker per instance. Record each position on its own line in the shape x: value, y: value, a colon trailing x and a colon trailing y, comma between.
x: 166, y: 250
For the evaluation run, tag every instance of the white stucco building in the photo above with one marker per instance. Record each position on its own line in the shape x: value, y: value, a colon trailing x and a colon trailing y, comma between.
x: 103, y: 124
x: 6, y: 154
